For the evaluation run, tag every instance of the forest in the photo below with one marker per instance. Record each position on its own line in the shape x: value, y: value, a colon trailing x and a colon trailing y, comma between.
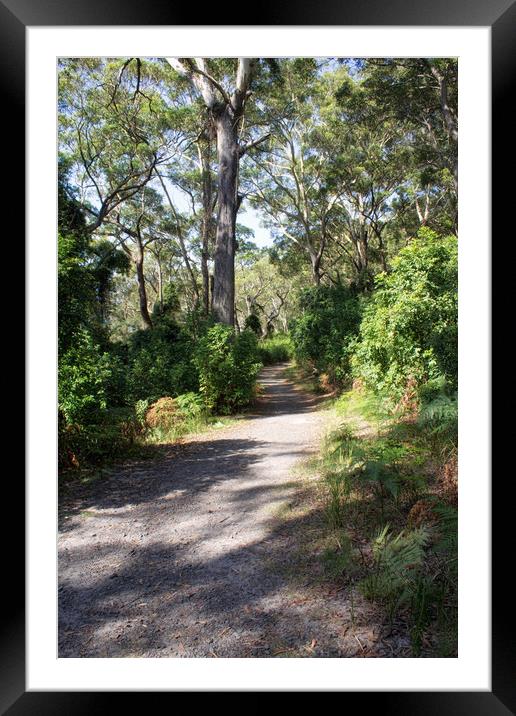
x: 219, y: 218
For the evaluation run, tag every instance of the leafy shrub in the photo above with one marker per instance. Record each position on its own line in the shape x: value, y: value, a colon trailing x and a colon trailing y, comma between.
x: 76, y: 291
x: 190, y: 405
x: 323, y: 335
x: 140, y: 409
x: 409, y: 328
x: 252, y: 322
x: 396, y: 558
x: 91, y: 445
x: 85, y: 271
x: 160, y: 363
x: 276, y: 349
x: 117, y: 385
x: 228, y: 365
x: 168, y: 418
x: 85, y: 379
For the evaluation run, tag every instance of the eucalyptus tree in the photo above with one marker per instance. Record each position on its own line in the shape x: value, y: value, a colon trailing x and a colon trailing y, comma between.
x: 422, y: 94
x: 290, y: 182
x: 111, y: 131
x: 140, y: 222
x: 191, y: 174
x: 371, y: 168
x: 122, y: 123
x: 225, y: 88
x: 262, y: 289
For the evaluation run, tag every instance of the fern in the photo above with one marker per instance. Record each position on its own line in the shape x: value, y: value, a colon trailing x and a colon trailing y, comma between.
x: 447, y: 526
x: 440, y: 416
x: 397, y: 559
x: 377, y: 473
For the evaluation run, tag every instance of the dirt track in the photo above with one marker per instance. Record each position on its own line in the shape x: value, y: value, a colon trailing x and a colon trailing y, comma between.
x: 186, y: 557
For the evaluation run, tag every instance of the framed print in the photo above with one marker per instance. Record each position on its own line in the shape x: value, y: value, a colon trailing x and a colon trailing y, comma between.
x: 113, y: 638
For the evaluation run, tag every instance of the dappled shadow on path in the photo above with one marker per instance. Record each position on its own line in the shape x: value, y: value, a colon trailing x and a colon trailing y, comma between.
x: 171, y: 600
x: 282, y: 397
x: 196, y: 467
x: 186, y: 556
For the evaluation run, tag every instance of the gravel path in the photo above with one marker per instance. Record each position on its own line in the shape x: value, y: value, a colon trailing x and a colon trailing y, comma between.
x: 179, y: 558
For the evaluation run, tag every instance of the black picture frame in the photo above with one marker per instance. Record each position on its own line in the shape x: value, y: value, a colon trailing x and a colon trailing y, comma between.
x: 500, y: 15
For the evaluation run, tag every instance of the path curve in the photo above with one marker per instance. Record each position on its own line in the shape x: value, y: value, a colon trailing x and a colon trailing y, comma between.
x: 173, y: 559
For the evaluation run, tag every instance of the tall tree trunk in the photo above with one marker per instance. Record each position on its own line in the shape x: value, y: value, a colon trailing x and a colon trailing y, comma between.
x: 316, y: 258
x: 160, y: 284
x: 142, y: 291
x: 316, y: 269
x: 224, y: 266
x: 207, y: 208
x: 211, y: 291
x: 227, y: 112
x: 450, y: 121
x: 362, y: 260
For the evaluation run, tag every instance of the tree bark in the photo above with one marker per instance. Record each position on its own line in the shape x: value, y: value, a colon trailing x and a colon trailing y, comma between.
x: 316, y: 258
x: 160, y: 284
x: 207, y: 209
x: 224, y: 265
x: 450, y: 120
x: 316, y: 268
x: 142, y: 291
x: 211, y: 291
x: 227, y: 113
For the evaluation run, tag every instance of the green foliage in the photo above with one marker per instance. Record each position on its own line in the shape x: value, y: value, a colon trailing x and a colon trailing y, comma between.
x: 162, y: 415
x: 85, y: 378
x: 384, y: 473
x: 323, y: 334
x: 357, y: 405
x: 402, y: 577
x: 140, y: 410
x: 75, y: 290
x: 85, y: 271
x: 409, y: 327
x: 395, y: 578
x: 447, y: 529
x: 228, y: 365
x: 338, y: 559
x: 169, y: 418
x: 383, y: 477
x: 276, y: 349
x: 170, y: 305
x: 440, y: 418
x: 96, y: 444
x: 190, y: 405
x: 252, y: 322
x: 160, y: 362
x: 339, y: 488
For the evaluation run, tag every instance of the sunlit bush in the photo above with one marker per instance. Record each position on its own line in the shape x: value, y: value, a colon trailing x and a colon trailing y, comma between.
x: 323, y: 334
x: 228, y: 365
x: 409, y: 328
x: 276, y: 349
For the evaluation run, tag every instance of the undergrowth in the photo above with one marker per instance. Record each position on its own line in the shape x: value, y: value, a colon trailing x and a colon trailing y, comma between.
x: 87, y: 452
x: 383, y: 489
x: 277, y: 348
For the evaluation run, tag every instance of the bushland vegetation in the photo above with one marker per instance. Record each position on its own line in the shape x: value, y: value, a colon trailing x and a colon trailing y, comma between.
x: 169, y: 303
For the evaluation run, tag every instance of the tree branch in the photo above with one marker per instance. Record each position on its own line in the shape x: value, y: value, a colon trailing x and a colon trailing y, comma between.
x: 246, y: 147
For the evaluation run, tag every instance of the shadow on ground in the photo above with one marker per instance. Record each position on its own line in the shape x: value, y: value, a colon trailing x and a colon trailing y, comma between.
x: 193, y: 555
x: 167, y: 600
